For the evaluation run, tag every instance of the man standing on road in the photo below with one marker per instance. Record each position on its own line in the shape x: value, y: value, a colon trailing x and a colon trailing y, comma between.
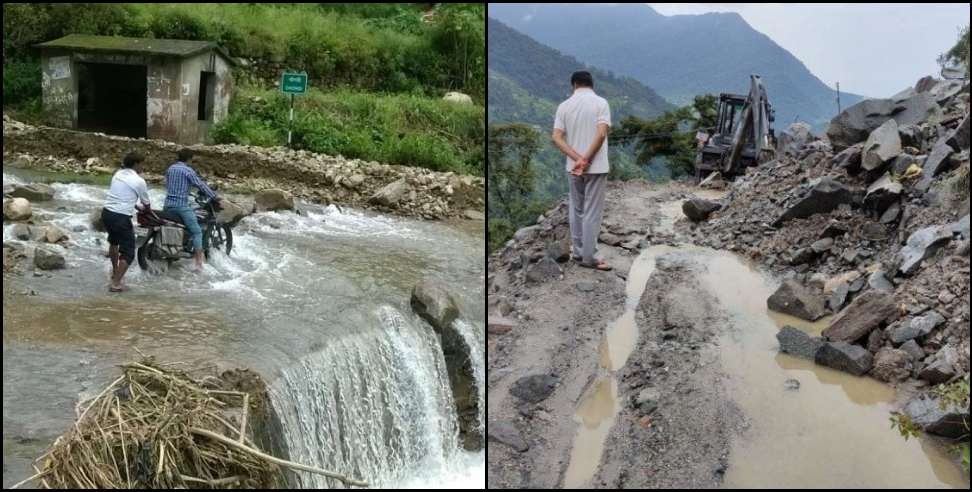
x: 580, y: 132
x: 127, y: 190
x: 178, y: 180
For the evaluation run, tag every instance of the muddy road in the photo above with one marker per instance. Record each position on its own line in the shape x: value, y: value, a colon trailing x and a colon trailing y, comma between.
x: 666, y: 373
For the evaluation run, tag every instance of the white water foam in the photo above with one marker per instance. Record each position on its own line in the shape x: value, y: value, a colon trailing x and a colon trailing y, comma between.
x: 377, y: 405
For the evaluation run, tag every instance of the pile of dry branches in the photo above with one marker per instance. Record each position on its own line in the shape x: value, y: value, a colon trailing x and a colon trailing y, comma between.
x: 158, y: 428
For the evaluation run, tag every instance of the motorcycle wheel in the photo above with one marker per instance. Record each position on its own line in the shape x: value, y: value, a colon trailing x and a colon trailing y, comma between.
x: 218, y: 236
x: 148, y: 264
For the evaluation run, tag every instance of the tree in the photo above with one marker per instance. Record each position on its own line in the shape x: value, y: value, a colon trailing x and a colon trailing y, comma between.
x: 958, y: 54
x: 671, y: 135
x: 510, y: 175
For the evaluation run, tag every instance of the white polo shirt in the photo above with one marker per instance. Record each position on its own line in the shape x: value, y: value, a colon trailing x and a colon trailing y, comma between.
x: 578, y: 117
x: 127, y: 188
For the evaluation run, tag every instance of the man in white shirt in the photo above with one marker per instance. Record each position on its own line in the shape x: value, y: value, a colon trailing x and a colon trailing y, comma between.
x: 127, y: 190
x: 580, y: 132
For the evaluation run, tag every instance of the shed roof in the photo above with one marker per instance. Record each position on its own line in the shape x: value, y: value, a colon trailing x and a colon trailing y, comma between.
x: 145, y: 46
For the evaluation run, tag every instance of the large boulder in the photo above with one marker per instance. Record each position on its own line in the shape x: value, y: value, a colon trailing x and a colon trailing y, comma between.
x: 864, y: 314
x: 879, y: 281
x: 270, y: 200
x: 17, y: 209
x: 923, y: 244
x: 798, y: 343
x: 435, y: 304
x: 936, y: 163
x: 232, y: 212
x: 794, y: 137
x: 457, y: 97
x: 941, y: 367
x: 883, y: 145
x: 36, y: 192
x: 826, y: 195
x: 918, y: 327
x: 845, y: 357
x: 54, y: 234
x: 699, y: 209
x: 882, y: 194
x: 95, y: 219
x: 961, y: 227
x: 856, y: 123
x: 542, y: 271
x: 796, y: 300
x: 891, y: 365
x: 535, y: 388
x: 933, y: 417
x: 391, y: 194
x: 926, y: 84
x: 849, y: 158
x: 46, y: 259
x: 959, y: 138
x: 506, y: 433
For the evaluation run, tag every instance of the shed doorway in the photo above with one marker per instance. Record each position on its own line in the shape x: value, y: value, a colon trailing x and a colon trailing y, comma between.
x: 112, y: 98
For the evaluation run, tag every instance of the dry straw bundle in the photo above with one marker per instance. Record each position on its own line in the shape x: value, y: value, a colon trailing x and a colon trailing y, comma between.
x: 158, y: 428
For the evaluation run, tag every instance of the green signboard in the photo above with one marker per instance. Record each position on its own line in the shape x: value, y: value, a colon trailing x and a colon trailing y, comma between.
x: 294, y: 83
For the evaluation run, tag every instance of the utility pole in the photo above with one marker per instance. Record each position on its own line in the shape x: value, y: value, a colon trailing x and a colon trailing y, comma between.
x: 838, y: 97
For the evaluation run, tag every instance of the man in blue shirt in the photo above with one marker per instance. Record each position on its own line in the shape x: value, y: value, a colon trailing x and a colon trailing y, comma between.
x: 179, y: 178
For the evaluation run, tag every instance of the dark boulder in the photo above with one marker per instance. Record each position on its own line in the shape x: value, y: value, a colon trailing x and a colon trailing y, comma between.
x: 891, y: 365
x: 922, y: 245
x: 535, y: 388
x: 856, y: 123
x: 933, y: 417
x: 845, y: 357
x: 798, y: 343
x: 825, y: 195
x: 796, y: 300
x: 917, y: 328
x: 883, y: 145
x: 544, y: 270
x: 698, y: 209
x: 882, y: 194
x: 506, y: 433
x: 864, y: 314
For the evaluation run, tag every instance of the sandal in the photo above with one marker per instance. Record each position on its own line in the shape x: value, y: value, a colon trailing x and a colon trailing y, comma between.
x: 600, y: 265
x: 117, y: 289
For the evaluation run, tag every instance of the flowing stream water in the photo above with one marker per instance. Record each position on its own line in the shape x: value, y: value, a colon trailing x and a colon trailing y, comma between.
x: 317, y: 302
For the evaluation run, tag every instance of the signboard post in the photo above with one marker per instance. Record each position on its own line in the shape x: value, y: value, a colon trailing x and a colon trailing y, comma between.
x: 293, y: 83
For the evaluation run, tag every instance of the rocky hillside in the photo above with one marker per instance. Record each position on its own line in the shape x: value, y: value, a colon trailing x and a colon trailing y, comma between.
x: 870, y: 224
x: 401, y: 190
x: 679, y: 56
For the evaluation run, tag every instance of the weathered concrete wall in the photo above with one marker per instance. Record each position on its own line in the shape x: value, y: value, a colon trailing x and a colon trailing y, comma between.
x: 194, y: 130
x: 164, y: 112
x: 59, y: 88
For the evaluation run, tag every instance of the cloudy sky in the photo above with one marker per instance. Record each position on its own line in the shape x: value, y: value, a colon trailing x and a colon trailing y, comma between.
x: 872, y: 49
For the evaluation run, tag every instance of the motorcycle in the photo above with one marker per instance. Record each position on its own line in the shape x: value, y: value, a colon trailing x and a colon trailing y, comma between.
x: 165, y: 240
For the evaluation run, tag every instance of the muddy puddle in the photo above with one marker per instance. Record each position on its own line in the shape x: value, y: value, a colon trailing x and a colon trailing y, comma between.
x: 831, y: 432
x: 598, y: 409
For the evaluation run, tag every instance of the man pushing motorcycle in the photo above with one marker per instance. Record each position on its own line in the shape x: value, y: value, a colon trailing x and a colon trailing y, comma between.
x: 179, y: 178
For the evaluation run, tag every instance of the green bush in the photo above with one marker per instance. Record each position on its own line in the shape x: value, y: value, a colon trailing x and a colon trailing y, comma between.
x: 21, y: 82
x: 395, y: 129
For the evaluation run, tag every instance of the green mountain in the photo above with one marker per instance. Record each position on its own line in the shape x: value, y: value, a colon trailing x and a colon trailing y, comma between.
x: 679, y: 56
x: 527, y: 81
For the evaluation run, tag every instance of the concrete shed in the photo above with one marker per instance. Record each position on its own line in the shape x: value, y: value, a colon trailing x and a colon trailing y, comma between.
x: 152, y: 88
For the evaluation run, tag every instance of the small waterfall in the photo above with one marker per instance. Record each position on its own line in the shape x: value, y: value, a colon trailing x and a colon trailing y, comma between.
x: 375, y: 404
x: 473, y: 336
